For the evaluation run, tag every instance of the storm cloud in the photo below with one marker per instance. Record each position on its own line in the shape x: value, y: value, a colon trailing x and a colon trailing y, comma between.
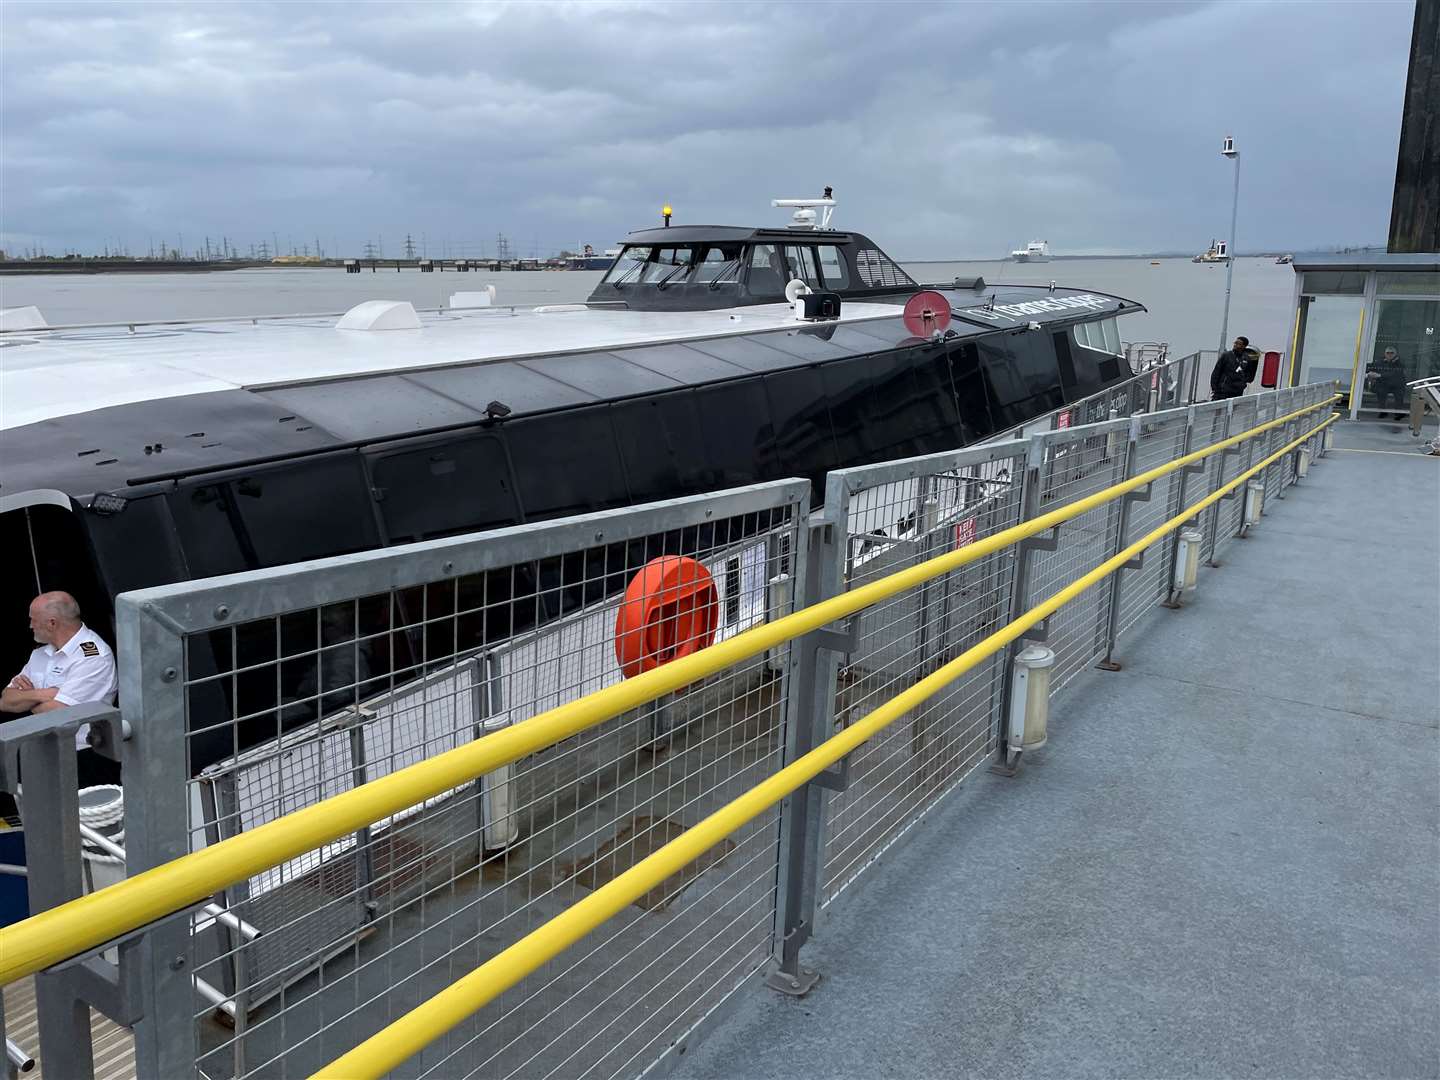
x: 956, y: 130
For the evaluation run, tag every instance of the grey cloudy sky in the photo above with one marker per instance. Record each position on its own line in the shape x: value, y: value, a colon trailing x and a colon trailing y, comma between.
x: 947, y: 129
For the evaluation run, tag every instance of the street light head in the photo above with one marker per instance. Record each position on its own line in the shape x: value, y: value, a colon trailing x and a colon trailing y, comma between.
x: 1228, y: 148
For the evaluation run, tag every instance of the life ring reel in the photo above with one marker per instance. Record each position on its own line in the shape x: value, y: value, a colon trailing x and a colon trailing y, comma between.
x: 671, y: 609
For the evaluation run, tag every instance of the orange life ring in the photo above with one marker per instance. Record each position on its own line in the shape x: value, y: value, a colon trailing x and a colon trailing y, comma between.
x: 670, y: 610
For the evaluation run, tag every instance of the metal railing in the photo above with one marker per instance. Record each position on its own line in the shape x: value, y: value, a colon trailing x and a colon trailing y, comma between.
x: 420, y: 773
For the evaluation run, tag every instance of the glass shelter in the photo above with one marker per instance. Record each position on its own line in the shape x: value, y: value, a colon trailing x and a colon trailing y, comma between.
x: 1370, y: 322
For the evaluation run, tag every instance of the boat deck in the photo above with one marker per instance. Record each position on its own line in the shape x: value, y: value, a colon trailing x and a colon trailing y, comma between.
x: 1225, y: 862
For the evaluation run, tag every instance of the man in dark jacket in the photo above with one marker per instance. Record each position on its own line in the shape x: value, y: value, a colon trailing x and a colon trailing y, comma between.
x: 1389, y: 378
x: 1234, y: 371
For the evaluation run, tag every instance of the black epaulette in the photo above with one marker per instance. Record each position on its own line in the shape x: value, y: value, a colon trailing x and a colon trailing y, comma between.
x: 89, y: 648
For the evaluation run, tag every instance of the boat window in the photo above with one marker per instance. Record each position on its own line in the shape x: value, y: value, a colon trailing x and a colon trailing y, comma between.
x: 800, y: 422
x: 834, y: 275
x: 668, y: 266
x: 802, y: 264
x: 718, y: 263
x: 739, y: 437
x: 566, y: 463
x: 1102, y: 336
x: 662, y: 445
x: 877, y: 271
x: 628, y: 266
x: 311, y: 510
x: 459, y: 486
x: 767, y: 271
x: 207, y: 522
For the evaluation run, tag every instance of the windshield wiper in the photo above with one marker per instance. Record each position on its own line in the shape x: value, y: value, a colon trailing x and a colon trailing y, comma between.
x: 621, y: 279
x: 717, y: 281
x: 666, y: 279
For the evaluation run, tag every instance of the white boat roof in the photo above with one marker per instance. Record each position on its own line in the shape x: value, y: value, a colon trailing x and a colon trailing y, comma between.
x: 47, y: 374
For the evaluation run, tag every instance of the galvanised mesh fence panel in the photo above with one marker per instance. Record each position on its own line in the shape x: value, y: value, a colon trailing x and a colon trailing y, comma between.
x: 1161, y: 439
x: 1209, y: 426
x: 1072, y: 465
x: 887, y: 518
x: 1230, y: 511
x: 1274, y: 476
x: 300, y: 683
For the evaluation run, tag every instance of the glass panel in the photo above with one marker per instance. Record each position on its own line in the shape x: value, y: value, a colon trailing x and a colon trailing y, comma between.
x: 1112, y: 335
x: 832, y: 267
x: 1332, y: 329
x: 1334, y: 283
x: 718, y: 260
x: 669, y: 266
x: 767, y: 271
x: 1406, y: 349
x: 802, y: 264
x: 1426, y: 284
x: 628, y: 266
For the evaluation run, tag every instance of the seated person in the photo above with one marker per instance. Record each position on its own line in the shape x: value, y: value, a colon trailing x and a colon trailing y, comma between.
x: 72, y: 666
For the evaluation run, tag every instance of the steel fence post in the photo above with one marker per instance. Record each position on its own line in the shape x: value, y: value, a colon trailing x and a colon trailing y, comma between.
x: 1007, y: 759
x: 1249, y: 460
x: 809, y: 712
x: 1122, y: 529
x: 1212, y: 530
x: 52, y: 826
x: 152, y: 688
x: 1186, y: 445
x: 1280, y: 464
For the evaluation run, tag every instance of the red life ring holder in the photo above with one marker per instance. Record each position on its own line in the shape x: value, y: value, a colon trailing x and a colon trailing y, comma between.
x: 670, y: 610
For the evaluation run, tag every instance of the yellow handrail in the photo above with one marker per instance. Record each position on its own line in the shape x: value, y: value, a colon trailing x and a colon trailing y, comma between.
x: 430, y: 1020
x: 72, y: 928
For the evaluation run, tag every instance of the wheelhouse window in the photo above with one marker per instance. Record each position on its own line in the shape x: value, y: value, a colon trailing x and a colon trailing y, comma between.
x: 833, y: 272
x: 668, y: 266
x: 767, y: 271
x: 1102, y: 336
x: 629, y: 265
x: 718, y: 264
x: 801, y: 262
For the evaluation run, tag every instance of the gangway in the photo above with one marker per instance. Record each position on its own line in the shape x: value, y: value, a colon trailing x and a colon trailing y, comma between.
x: 872, y: 670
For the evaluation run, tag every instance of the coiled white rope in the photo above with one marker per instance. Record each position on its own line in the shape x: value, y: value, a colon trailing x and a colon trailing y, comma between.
x: 104, y: 808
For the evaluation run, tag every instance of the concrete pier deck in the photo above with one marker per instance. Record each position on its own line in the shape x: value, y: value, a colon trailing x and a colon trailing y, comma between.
x: 1225, y: 863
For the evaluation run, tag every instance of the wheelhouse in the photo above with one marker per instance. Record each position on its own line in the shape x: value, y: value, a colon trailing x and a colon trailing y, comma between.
x: 706, y: 267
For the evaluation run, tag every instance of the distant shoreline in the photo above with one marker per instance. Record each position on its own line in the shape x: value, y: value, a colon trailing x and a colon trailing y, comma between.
x: 1153, y: 255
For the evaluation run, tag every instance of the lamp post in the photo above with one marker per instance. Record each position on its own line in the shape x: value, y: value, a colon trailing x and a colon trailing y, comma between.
x: 1228, y: 150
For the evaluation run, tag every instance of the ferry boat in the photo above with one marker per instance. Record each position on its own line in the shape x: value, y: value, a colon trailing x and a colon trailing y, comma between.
x: 1037, y: 251
x: 708, y: 357
x: 1218, y: 252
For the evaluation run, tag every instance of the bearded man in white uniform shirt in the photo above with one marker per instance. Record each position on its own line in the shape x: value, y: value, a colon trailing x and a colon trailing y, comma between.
x: 72, y: 666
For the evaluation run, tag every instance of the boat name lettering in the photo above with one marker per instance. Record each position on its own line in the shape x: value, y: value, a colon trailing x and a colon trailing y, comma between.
x: 1006, y: 312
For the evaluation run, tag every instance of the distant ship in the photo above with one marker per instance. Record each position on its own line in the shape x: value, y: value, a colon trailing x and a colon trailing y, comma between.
x: 1284, y: 260
x: 588, y: 260
x: 1218, y: 253
x: 1036, y: 251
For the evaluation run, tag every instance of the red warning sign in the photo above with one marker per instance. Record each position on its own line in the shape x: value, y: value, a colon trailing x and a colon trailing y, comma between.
x: 965, y: 532
x: 1063, y: 420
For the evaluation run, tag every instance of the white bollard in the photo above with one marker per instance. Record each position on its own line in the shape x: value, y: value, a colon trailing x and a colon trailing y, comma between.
x: 1187, y: 560
x: 1302, y: 462
x: 1030, y: 698
x: 500, y: 824
x: 1327, y: 440
x: 1254, y: 503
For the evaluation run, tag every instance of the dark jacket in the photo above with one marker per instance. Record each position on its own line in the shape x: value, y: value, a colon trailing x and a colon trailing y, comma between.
x: 1389, y: 372
x: 1233, y: 373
